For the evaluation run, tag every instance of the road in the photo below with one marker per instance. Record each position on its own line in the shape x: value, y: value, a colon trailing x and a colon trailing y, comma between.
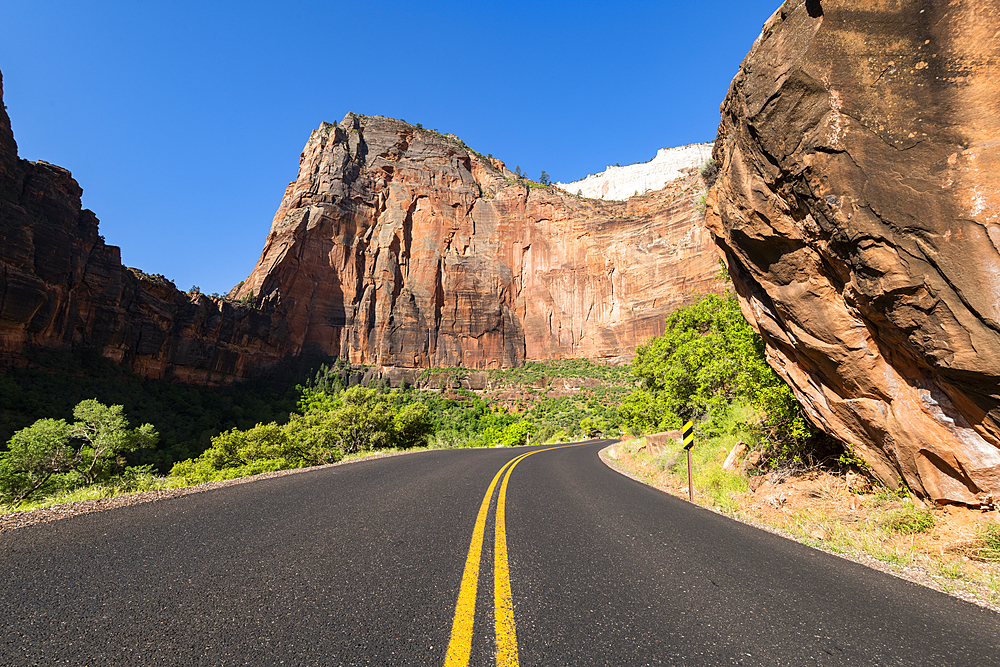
x: 364, y: 564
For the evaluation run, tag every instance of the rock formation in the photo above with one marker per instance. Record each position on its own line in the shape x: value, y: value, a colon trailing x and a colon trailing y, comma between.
x: 396, y: 246
x: 62, y: 287
x: 620, y: 183
x: 401, y: 247
x: 858, y: 205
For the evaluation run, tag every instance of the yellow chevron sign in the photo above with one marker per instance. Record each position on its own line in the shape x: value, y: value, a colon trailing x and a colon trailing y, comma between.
x: 688, y: 433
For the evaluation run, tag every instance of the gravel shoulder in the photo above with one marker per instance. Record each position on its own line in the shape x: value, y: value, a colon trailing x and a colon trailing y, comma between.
x: 924, y: 573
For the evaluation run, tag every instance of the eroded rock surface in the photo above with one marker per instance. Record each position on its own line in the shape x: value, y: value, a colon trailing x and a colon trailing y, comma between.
x: 858, y: 204
x: 401, y: 247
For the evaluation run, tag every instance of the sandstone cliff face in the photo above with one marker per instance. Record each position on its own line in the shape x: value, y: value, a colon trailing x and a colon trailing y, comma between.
x: 62, y: 287
x: 401, y: 247
x: 858, y: 204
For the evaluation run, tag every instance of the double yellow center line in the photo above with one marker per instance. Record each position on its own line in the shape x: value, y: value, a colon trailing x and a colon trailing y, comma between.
x: 460, y: 646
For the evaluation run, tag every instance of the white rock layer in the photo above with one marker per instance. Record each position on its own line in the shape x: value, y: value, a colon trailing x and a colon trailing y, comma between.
x: 623, y: 182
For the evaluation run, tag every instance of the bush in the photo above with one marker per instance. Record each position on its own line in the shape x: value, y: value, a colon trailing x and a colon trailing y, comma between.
x: 331, y: 426
x: 908, y: 520
x: 52, y: 455
x: 707, y: 358
x: 709, y: 172
x: 514, y: 435
x: 989, y: 535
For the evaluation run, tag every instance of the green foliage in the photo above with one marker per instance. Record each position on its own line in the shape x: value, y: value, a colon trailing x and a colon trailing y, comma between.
x: 236, y: 453
x: 989, y: 536
x: 512, y: 435
x: 412, y: 425
x: 103, y: 434
x: 51, y: 454
x: 850, y: 459
x: 707, y: 358
x: 909, y: 520
x: 533, y: 372
x: 701, y: 202
x: 544, y: 179
x: 354, y: 420
x: 185, y: 416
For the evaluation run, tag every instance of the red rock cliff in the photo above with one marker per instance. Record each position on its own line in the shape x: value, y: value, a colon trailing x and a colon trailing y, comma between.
x: 401, y: 247
x: 62, y: 287
x: 859, y: 206
x: 395, y: 246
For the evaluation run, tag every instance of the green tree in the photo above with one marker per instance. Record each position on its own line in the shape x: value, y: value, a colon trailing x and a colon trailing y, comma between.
x: 412, y: 425
x: 85, y: 452
x: 544, y: 179
x: 708, y: 357
x: 104, y: 436
x: 34, y: 455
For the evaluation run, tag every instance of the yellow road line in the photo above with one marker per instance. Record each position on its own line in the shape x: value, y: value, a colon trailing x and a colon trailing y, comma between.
x: 506, y: 632
x: 460, y: 645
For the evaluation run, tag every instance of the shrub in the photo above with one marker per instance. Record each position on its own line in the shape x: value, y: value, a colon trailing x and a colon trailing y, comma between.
x: 709, y: 172
x: 51, y: 454
x: 908, y: 520
x: 707, y: 358
x: 331, y: 426
x: 989, y: 535
x: 701, y: 202
x: 514, y: 435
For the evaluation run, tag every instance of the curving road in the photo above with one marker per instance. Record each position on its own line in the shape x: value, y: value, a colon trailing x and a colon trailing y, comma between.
x: 374, y: 563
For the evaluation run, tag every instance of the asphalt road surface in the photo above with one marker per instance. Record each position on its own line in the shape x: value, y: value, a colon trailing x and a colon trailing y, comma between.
x: 374, y: 563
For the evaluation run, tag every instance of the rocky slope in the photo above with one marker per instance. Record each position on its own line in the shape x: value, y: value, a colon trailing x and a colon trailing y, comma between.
x: 62, y: 287
x: 620, y: 183
x: 401, y: 247
x: 858, y: 204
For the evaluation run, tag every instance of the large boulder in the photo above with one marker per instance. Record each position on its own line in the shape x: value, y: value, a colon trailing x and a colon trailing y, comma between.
x: 858, y: 206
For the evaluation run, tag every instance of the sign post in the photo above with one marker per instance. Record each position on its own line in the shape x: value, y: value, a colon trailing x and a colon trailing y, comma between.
x: 688, y: 434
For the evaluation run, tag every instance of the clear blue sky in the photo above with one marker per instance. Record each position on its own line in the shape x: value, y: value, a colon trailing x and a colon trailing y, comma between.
x: 183, y: 121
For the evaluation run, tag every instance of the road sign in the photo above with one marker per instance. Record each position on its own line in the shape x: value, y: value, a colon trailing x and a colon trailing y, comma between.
x: 688, y: 432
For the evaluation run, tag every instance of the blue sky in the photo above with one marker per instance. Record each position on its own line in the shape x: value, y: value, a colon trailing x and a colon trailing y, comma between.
x: 183, y: 121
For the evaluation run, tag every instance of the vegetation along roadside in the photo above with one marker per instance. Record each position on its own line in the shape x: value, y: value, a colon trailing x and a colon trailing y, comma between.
x: 125, y: 435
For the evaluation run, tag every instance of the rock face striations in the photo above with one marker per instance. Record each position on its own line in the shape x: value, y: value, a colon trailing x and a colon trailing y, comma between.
x: 62, y: 287
x: 395, y: 246
x: 858, y: 204
x: 399, y: 246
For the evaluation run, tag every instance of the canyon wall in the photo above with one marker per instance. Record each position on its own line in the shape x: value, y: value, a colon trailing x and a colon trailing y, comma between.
x: 858, y: 206
x: 396, y: 246
x: 620, y: 183
x: 62, y: 287
x: 399, y: 246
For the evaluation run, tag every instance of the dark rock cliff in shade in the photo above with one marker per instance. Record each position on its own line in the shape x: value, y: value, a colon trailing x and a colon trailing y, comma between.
x: 858, y: 204
x: 401, y: 247
x: 62, y: 287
